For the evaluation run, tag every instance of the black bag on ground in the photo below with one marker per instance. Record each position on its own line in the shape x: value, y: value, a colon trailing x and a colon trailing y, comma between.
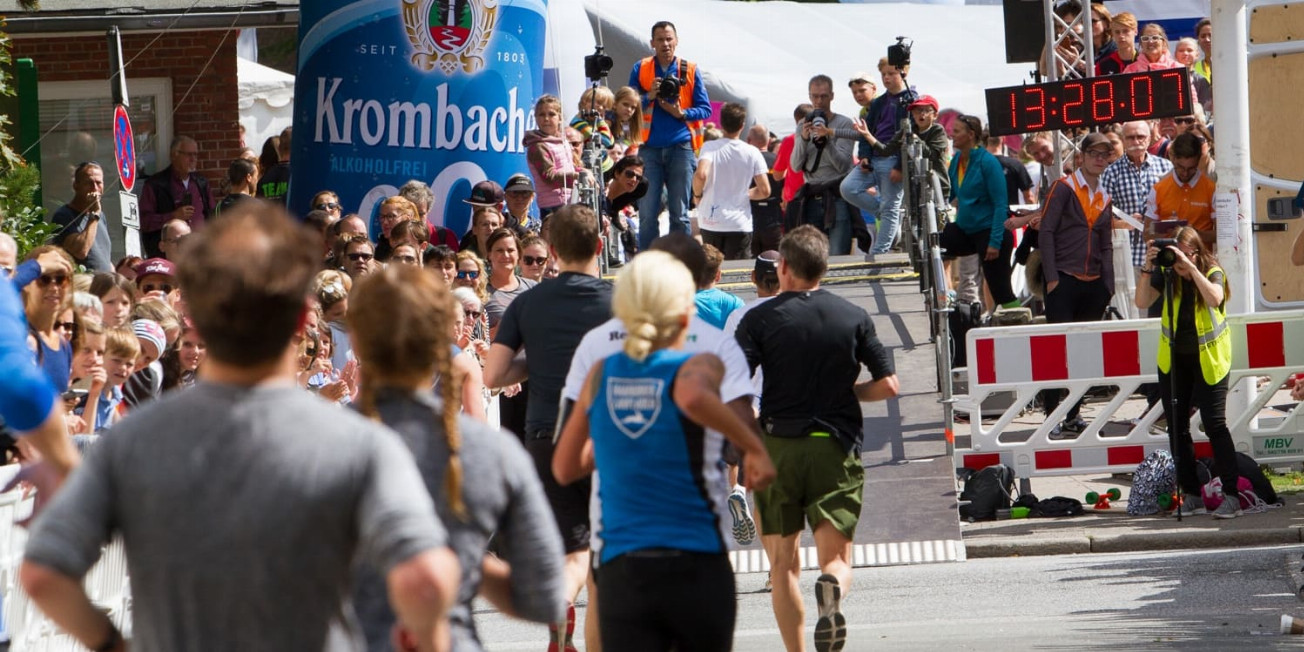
x: 1056, y: 506
x: 962, y: 319
x: 987, y: 491
x: 1247, y: 468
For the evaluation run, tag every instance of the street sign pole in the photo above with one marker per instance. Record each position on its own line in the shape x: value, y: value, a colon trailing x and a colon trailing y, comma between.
x: 124, y: 145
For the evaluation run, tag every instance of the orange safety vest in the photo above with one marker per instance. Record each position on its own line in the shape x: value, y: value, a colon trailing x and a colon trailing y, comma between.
x: 647, y: 70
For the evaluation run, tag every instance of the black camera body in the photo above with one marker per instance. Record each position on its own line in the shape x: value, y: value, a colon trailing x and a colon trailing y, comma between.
x: 598, y: 64
x: 818, y: 118
x: 668, y: 89
x: 1166, y: 257
x: 898, y: 55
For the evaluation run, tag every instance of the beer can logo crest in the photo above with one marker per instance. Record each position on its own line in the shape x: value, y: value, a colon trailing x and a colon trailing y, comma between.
x: 449, y: 35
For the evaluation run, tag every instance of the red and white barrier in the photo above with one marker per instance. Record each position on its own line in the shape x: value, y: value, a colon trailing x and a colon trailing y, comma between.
x: 1025, y: 360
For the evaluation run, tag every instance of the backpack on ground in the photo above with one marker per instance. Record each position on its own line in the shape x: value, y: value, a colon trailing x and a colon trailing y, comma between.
x: 1056, y: 506
x: 1155, y: 476
x: 963, y: 319
x: 1254, y: 487
x: 986, y: 491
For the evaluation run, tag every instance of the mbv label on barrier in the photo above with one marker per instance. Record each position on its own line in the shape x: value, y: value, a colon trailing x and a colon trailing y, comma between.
x: 440, y: 91
x: 1278, y: 445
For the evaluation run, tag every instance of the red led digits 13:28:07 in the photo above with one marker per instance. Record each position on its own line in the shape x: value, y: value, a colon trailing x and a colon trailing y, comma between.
x: 1089, y: 102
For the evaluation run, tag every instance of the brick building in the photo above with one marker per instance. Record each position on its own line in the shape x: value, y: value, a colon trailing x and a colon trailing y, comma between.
x: 180, y: 58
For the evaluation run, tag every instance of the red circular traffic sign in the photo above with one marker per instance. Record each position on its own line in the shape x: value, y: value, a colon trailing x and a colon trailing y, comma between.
x: 124, y: 148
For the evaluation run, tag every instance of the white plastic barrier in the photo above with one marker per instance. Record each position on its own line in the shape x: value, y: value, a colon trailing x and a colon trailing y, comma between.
x: 28, y: 629
x: 1027, y: 359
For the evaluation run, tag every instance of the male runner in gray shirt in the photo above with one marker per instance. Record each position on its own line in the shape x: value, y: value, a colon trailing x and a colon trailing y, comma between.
x: 244, y: 500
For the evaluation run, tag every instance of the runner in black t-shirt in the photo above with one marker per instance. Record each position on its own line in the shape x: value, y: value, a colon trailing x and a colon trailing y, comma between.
x: 811, y: 344
x: 549, y: 321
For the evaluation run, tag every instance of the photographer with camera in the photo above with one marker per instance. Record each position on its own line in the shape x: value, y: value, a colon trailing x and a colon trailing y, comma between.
x: 824, y: 159
x: 675, y: 106
x: 1195, y: 356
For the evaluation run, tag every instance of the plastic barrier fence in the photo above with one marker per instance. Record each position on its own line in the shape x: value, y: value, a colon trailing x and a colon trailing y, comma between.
x: 1024, y: 360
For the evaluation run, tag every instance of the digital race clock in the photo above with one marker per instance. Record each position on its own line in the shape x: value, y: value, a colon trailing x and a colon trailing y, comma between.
x: 1089, y: 102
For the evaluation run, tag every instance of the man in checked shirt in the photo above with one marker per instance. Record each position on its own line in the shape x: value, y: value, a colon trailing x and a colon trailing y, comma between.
x: 1129, y: 181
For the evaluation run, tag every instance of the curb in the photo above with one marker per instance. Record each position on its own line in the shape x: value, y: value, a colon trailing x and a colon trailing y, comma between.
x: 1142, y: 542
x: 1295, y: 567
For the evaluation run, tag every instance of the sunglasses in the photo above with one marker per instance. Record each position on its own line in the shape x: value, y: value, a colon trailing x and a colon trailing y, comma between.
x: 161, y: 287
x: 473, y: 315
x: 1184, y: 121
x: 534, y: 260
x: 360, y: 257
x: 390, y: 216
x: 326, y: 206
x: 70, y: 326
x: 630, y: 174
x: 53, y: 279
x: 464, y: 275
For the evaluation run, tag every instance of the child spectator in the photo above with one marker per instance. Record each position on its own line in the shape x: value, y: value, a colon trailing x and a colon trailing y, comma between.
x: 551, y: 161
x: 88, y: 375
x: 595, y: 104
x: 714, y: 304
x: 122, y: 350
x: 627, y: 123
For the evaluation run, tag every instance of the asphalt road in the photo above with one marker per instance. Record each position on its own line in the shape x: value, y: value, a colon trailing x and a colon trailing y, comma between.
x: 1201, y: 600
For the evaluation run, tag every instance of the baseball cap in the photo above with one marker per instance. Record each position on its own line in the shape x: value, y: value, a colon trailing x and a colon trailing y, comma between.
x: 925, y: 100
x: 485, y: 193
x: 862, y: 76
x: 1094, y: 139
x: 767, y: 264
x: 155, y: 266
x: 520, y: 182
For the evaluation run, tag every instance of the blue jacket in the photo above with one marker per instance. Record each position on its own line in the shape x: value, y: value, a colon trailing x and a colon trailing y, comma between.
x: 26, y: 395
x: 666, y: 130
x: 981, y: 202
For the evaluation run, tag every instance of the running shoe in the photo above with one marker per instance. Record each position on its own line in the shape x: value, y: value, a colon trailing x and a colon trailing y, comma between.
x: 1068, y: 430
x: 831, y: 628
x: 1230, y: 507
x: 744, y: 528
x: 560, y: 633
x: 1192, y: 505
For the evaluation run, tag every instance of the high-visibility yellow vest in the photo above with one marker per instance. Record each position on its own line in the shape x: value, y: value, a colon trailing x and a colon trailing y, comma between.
x: 1212, y: 335
x: 647, y: 73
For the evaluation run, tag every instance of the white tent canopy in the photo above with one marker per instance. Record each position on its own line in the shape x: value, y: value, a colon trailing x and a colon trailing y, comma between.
x: 266, y: 101
x: 763, y: 53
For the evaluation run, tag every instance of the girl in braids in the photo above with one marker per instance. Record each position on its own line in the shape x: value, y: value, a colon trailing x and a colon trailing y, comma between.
x: 401, y: 320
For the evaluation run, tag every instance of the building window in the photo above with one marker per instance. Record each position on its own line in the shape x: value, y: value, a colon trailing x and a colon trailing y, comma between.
x: 77, y: 126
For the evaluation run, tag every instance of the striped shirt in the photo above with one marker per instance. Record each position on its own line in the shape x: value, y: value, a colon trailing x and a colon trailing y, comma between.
x: 1129, y: 185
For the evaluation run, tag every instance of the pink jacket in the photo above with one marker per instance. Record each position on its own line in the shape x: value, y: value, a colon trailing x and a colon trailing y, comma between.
x: 1142, y: 64
x: 553, y: 167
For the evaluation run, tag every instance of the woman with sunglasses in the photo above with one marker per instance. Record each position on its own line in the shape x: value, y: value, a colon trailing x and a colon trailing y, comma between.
x: 471, y: 274
x: 46, y: 301
x: 534, y: 258
x: 1154, y: 51
x: 327, y: 201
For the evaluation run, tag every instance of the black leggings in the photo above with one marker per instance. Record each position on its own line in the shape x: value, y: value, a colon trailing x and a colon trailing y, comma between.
x: 1073, y: 300
x: 955, y: 243
x: 1188, y: 381
x: 658, y: 600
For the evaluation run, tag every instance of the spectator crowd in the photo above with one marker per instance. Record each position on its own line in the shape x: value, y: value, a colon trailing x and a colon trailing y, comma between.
x: 498, y: 379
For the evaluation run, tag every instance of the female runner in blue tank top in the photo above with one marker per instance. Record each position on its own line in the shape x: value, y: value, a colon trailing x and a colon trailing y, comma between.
x: 660, y: 522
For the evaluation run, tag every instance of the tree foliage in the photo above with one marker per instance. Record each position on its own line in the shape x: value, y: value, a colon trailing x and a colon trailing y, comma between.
x: 20, y: 217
